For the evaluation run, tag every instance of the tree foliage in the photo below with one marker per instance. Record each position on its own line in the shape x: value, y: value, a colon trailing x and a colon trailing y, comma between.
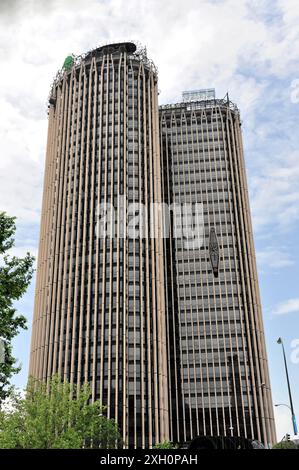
x: 56, y: 415
x: 165, y: 445
x: 285, y: 445
x: 15, y: 277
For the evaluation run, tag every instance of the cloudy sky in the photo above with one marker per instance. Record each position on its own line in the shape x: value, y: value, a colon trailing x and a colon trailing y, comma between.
x: 247, y: 48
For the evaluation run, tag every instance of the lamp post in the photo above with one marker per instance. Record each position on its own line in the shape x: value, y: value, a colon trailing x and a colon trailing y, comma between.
x: 283, y: 404
x: 279, y: 341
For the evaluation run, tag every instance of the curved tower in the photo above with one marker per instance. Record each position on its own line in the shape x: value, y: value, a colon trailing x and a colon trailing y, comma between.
x: 99, y: 308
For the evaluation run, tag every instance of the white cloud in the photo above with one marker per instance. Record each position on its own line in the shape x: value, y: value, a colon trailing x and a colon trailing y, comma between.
x: 275, y: 192
x: 271, y: 257
x: 21, y: 250
x: 289, y: 306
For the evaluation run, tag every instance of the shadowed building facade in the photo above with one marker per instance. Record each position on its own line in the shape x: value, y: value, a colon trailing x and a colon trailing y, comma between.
x: 99, y: 307
x: 218, y: 371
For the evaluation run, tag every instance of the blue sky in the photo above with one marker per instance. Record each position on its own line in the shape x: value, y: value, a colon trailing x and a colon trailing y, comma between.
x: 248, y: 48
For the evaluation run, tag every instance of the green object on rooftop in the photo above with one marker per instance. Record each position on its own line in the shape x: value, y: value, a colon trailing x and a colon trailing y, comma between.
x: 68, y: 62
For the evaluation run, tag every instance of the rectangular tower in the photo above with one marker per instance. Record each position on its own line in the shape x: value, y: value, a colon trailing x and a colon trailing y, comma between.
x: 218, y: 372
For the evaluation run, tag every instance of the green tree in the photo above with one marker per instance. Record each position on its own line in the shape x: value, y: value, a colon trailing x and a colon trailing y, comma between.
x: 57, y: 415
x: 15, y: 276
x: 165, y: 445
x: 285, y: 445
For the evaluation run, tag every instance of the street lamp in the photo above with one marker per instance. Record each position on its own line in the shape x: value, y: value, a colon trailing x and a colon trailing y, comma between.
x: 279, y: 341
x: 283, y: 404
